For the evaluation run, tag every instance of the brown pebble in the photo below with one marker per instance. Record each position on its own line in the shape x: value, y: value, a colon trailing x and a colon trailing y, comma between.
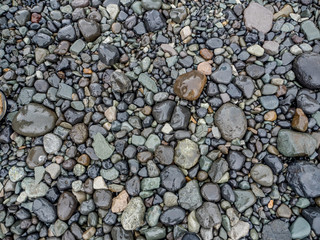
x: 84, y: 159
x: 120, y: 202
x: 146, y: 110
x: 300, y: 121
x: 270, y: 116
x: 206, y: 54
x: 116, y: 27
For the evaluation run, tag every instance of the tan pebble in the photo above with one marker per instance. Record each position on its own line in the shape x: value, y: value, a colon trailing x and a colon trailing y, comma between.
x: 120, y: 202
x: 300, y: 121
x: 270, y: 116
x: 205, y: 68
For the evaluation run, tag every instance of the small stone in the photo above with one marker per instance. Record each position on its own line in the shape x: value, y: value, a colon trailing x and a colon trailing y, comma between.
x: 79, y: 133
x: 262, y: 174
x: 295, y: 144
x: 300, y: 121
x: 101, y: 147
x: 36, y: 157
x: 223, y: 74
x: 16, y: 174
x: 102, y: 198
x: 67, y: 205
x: 120, y: 202
x: 284, y: 12
x: 300, y: 228
x: 185, y: 32
x: 205, y: 68
x: 211, y: 192
x: 208, y: 215
x: 271, y: 47
x: 231, y: 121
x: 151, y: 4
x: 245, y: 84
x: 44, y: 210
x: 67, y: 33
x: 180, y: 118
x: 54, y: 170
x: 186, y: 154
x: 256, y: 50
x: 206, y: 54
x: 108, y: 54
x: 239, y: 230
x: 22, y: 16
x: 133, y: 215
x: 113, y: 10
x: 310, y: 30
x: 189, y: 196
x: 312, y: 215
x: 120, y: 82
x: 34, y: 120
x: 89, y: 29
x: 172, y: 216
x: 162, y: 111
x: 258, y: 17
x: 52, y: 143
x: 270, y: 116
x: 190, y: 85
x: 172, y: 178
x: 244, y: 199
x: 284, y: 211
x: 214, y: 43
x: 148, y: 82
x: 178, y: 14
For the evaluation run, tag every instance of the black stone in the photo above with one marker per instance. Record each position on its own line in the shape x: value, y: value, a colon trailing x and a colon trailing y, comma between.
x: 154, y: 20
x: 44, y: 210
x: 172, y: 216
x: 108, y: 54
x: 180, y: 118
x: 172, y: 178
x: 162, y: 111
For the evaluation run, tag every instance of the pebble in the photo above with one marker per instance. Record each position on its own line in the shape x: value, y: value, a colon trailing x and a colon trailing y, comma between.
x: 186, y: 154
x: 51, y: 143
x: 79, y: 133
x: 172, y: 178
x: 262, y: 174
x: 67, y: 205
x: 208, y: 215
x: 120, y: 82
x: 89, y: 29
x: 190, y: 85
x: 300, y: 228
x: 244, y: 199
x: 36, y: 157
x: 312, y: 215
x: 34, y: 120
x: 231, y: 121
x: 172, y: 216
x: 101, y: 147
x: 276, y: 229
x: 300, y: 121
x: 189, y: 196
x: 108, y: 54
x: 44, y: 210
x: 154, y: 21
x: 258, y: 17
x: 133, y: 215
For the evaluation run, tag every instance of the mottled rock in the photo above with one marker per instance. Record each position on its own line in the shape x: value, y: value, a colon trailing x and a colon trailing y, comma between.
x: 189, y: 196
x: 180, y: 118
x: 186, y: 154
x: 79, y: 133
x: 133, y: 215
x: 120, y: 82
x: 262, y: 174
x: 231, y: 121
x: 108, y: 54
x: 172, y: 178
x: 190, y: 85
x: 300, y: 121
x: 275, y: 230
x: 162, y: 111
x: 36, y: 157
x: 154, y: 20
x: 209, y: 215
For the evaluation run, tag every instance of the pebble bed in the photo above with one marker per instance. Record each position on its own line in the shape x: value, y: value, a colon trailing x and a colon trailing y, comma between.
x: 159, y: 119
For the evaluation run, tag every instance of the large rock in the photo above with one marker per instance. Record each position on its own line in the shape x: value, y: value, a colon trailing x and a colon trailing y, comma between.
x: 231, y: 121
x: 258, y: 17
x: 208, y: 215
x: 295, y: 144
x: 275, y: 230
x: 34, y: 120
x: 186, y: 154
x: 304, y: 178
x: 133, y: 215
x: 307, y: 71
x: 44, y: 210
x: 190, y: 85
x: 312, y: 215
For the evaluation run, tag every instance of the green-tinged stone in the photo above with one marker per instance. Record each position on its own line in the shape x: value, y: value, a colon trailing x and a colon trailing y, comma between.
x: 109, y: 174
x: 310, y: 30
x: 148, y: 82
x: 303, y: 203
x: 59, y: 228
x: 65, y: 91
x: 295, y: 144
x: 148, y: 184
x: 300, y: 228
x: 16, y: 174
x: 26, y: 95
x: 155, y: 233
x: 244, y: 199
x: 145, y: 194
x: 189, y: 196
x: 171, y: 61
x: 205, y: 163
x: 152, y: 142
x: 34, y: 190
x: 152, y: 215
x: 138, y: 140
x: 133, y: 215
x: 77, y: 46
x: 101, y: 147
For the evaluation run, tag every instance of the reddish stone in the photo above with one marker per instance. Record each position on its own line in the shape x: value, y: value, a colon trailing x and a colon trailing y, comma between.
x: 35, y: 17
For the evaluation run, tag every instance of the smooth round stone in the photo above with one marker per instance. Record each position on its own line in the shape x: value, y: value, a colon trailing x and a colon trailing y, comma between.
x: 34, y: 120
x: 186, y: 154
x: 262, y: 174
x: 172, y: 178
x: 284, y: 211
x: 231, y: 121
x: 223, y: 74
x: 209, y: 215
x: 133, y: 186
x: 44, y: 210
x: 108, y: 54
x: 133, y: 215
x: 89, y: 29
x: 300, y: 228
x: 172, y: 216
x: 151, y: 4
x: 304, y: 177
x: 211, y: 192
x: 16, y: 174
x: 275, y: 230
x: 36, y: 157
x: 155, y: 233
x: 295, y: 144
x: 269, y: 102
x: 164, y: 154
x: 312, y: 215
x: 189, y: 86
x: 102, y: 198
x: 236, y: 160
x: 67, y: 204
x: 51, y: 143
x: 79, y: 133
x: 307, y: 71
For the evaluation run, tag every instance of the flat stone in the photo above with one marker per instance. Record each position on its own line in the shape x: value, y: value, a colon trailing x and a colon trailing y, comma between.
x: 186, y: 154
x: 79, y: 133
x: 275, y: 230
x: 151, y: 4
x: 172, y: 216
x: 245, y: 84
x: 231, y: 121
x: 164, y: 154
x: 283, y: 211
x: 209, y: 215
x: 213, y: 43
x: 223, y: 74
x: 36, y: 157
x: 148, y: 82
x: 300, y: 228
x: 307, y: 71
x: 310, y: 30
x: 102, y: 198
x: 120, y: 202
x: 51, y: 143
x: 180, y: 118
x: 218, y: 169
x: 303, y: 177
x: 190, y: 85
x: 258, y: 17
x: 295, y: 144
x: 300, y: 121
x: 34, y: 120
x: 239, y: 230
x: 44, y: 210
x: 133, y: 215
x: 244, y: 199
x: 101, y: 147
x: 189, y: 196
